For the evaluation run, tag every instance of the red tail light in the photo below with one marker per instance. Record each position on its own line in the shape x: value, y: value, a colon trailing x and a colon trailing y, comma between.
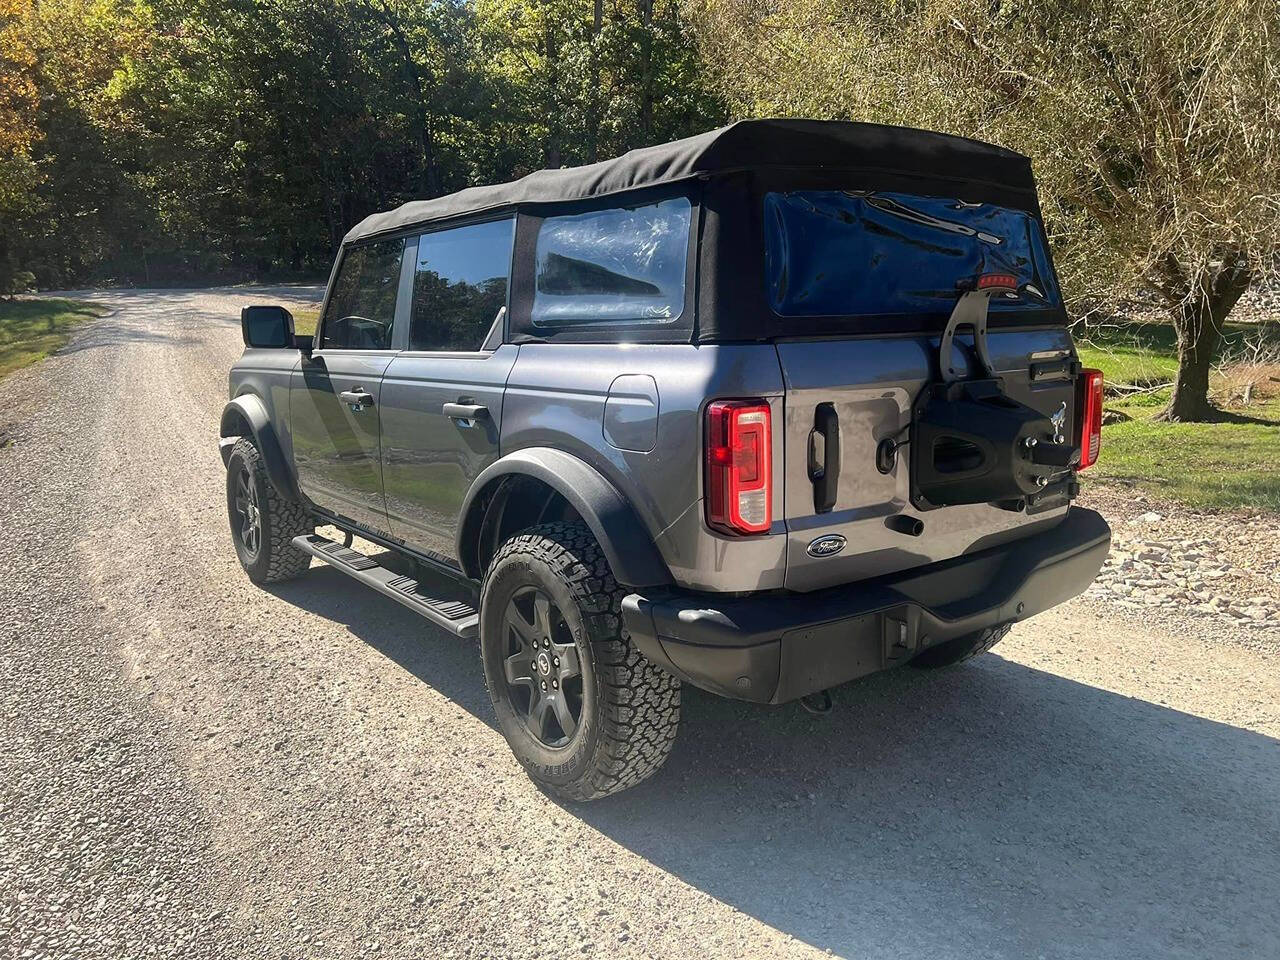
x: 1089, y: 403
x: 739, y: 484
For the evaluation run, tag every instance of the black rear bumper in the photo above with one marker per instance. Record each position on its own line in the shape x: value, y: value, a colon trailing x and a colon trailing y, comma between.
x: 775, y: 647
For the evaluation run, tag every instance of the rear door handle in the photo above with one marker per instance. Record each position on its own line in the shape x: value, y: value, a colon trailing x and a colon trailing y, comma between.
x: 824, y: 457
x: 357, y: 399
x: 465, y: 411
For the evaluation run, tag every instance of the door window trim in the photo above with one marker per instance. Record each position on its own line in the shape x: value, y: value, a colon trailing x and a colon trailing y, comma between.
x: 397, y: 319
x: 484, y: 351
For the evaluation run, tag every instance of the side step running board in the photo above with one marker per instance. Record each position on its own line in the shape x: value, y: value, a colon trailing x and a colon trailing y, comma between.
x: 456, y: 616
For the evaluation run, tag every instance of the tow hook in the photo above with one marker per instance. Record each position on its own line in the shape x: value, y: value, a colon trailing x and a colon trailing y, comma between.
x: 819, y: 703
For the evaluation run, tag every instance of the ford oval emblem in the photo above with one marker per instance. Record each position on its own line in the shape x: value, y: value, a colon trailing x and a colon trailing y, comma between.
x: 827, y: 546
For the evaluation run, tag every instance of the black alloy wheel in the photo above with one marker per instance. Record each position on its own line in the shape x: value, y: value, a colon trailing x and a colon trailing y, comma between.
x: 583, y: 711
x: 541, y: 667
x: 245, y: 504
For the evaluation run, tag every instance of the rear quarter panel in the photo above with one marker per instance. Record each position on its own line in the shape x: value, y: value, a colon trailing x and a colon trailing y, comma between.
x: 556, y: 396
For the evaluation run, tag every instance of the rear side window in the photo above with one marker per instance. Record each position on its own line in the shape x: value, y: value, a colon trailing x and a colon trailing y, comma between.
x: 362, y: 303
x: 865, y: 253
x: 620, y: 266
x: 460, y: 285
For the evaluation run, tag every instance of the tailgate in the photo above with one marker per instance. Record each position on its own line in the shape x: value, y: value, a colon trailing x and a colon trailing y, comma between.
x: 870, y: 384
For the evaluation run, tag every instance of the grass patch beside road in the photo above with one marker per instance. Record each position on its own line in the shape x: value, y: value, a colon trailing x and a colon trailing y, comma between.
x: 1132, y: 364
x: 30, y: 330
x: 1234, y: 465
x: 1204, y: 465
x: 305, y: 320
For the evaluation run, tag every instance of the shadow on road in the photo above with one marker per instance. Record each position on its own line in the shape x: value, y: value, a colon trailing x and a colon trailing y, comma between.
x: 992, y: 805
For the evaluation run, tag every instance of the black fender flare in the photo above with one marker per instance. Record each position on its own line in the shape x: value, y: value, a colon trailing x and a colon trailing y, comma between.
x: 249, y: 409
x: 626, y: 542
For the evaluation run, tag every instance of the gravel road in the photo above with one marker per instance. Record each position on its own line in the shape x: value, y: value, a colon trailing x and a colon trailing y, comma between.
x: 192, y: 767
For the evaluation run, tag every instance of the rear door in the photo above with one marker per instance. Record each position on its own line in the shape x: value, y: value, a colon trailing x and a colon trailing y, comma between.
x: 441, y: 398
x: 335, y: 394
x: 870, y: 385
x: 889, y: 264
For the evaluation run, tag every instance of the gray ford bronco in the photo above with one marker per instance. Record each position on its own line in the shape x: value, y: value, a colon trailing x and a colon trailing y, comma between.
x: 763, y: 410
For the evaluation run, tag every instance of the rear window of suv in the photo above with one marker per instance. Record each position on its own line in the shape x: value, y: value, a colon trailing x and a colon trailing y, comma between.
x: 624, y: 265
x: 865, y: 253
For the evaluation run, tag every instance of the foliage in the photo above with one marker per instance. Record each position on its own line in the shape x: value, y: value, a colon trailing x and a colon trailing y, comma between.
x: 589, y: 79
x: 19, y: 100
x: 19, y: 97
x: 1154, y: 127
x: 32, y: 329
x: 191, y: 141
x: 15, y: 282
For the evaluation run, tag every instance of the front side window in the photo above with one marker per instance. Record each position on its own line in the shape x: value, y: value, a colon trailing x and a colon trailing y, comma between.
x: 362, y: 304
x: 620, y: 266
x: 869, y: 253
x: 460, y: 285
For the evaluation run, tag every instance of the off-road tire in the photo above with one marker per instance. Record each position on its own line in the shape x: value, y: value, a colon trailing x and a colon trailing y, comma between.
x: 960, y: 649
x: 276, y: 558
x: 628, y: 722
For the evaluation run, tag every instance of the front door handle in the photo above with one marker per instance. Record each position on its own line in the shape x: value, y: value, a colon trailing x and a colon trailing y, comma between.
x: 357, y: 399
x: 465, y: 411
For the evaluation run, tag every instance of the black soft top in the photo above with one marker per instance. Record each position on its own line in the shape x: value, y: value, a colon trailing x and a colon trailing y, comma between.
x: 726, y: 174
x: 951, y: 163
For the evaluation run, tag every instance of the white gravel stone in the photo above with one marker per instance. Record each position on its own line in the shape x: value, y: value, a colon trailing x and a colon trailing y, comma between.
x: 193, y: 767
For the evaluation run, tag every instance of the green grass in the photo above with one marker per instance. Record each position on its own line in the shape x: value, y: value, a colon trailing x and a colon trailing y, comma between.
x: 1145, y: 352
x: 304, y: 321
x: 30, y: 330
x: 1136, y: 365
x: 1216, y: 466
x: 1205, y: 465
x: 1134, y: 352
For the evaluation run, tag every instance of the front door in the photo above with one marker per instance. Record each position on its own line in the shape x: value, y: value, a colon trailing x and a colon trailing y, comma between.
x: 441, y: 398
x: 335, y: 395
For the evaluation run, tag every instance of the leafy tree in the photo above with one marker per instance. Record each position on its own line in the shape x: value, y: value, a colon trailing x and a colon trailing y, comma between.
x: 19, y: 96
x: 19, y: 100
x: 590, y: 79
x: 162, y: 141
x: 1153, y: 126
x: 76, y: 204
x: 279, y: 123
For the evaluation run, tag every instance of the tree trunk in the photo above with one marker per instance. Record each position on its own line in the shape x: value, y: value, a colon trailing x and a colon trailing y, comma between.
x: 1198, y: 320
x: 551, y: 147
x: 646, y: 75
x: 429, y: 182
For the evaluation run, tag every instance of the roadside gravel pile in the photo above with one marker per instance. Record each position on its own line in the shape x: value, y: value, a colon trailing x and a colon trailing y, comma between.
x: 1258, y: 304
x: 1218, y: 565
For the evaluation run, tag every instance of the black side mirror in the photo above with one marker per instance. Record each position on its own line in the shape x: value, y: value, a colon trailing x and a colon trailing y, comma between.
x: 270, y: 327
